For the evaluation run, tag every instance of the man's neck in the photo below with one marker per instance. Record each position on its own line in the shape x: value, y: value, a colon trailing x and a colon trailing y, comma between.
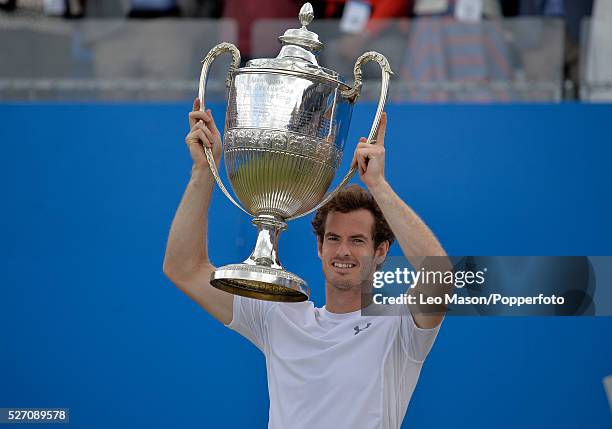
x: 343, y: 301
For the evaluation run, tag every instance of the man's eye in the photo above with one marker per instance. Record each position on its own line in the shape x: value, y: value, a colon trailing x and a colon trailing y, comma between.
x: 330, y: 238
x: 358, y: 241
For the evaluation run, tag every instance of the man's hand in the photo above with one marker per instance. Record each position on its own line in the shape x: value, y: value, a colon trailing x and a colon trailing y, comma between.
x: 203, y: 131
x: 370, y: 158
x: 186, y: 262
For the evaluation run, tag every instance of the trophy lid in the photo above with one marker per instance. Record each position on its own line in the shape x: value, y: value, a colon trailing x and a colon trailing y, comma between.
x: 298, y: 54
x: 302, y: 36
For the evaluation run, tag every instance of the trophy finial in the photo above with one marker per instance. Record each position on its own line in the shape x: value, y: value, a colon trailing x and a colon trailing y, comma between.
x: 306, y: 14
x: 302, y: 37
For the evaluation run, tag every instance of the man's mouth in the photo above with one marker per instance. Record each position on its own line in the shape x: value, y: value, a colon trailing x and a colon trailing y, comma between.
x: 343, y: 264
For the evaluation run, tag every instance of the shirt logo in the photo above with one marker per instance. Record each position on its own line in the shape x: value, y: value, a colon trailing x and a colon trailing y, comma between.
x: 358, y: 329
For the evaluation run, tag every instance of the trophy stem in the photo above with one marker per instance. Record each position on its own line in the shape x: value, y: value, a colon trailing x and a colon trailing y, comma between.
x: 262, y: 276
x: 265, y: 253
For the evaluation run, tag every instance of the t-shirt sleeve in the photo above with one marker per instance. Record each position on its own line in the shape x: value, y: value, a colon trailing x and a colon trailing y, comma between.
x: 249, y: 319
x: 417, y: 341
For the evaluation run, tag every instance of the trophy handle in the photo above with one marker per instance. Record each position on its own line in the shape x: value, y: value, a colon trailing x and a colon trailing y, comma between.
x: 221, y: 48
x: 351, y: 95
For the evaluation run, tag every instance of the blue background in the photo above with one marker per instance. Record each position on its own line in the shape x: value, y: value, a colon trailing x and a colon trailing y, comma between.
x: 89, y: 321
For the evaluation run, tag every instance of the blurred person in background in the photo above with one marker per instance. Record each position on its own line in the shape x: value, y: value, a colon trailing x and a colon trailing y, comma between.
x: 175, y: 8
x: 572, y: 12
x: 598, y: 62
x: 360, y: 22
x: 450, y: 43
x: 523, y: 50
x: 201, y: 8
x: 154, y: 8
x: 362, y: 26
x: 247, y: 12
x: 8, y: 5
x: 65, y: 8
x: 115, y: 8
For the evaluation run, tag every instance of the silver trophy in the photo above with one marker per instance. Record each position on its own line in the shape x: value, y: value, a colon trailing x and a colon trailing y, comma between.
x: 286, y: 125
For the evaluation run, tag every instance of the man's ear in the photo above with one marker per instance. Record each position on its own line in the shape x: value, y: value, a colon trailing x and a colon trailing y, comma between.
x: 381, y: 252
x: 319, y: 247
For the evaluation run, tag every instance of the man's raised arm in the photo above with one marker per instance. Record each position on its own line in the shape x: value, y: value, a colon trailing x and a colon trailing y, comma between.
x: 186, y: 262
x: 418, y: 243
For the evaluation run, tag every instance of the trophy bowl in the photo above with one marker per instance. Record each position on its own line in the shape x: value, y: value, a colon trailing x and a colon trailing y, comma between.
x: 286, y: 126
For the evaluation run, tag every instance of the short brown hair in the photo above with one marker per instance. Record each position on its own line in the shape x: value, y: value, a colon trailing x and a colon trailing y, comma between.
x: 349, y: 199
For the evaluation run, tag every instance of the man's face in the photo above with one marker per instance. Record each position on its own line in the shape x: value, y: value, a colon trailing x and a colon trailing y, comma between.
x: 347, y: 251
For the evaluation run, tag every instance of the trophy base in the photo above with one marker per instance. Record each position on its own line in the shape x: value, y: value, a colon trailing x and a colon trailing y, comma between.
x: 260, y: 282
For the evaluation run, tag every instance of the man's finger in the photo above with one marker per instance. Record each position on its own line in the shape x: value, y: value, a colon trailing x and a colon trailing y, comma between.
x: 362, y: 144
x: 362, y: 156
x: 192, y: 138
x: 204, y: 128
x: 370, y: 151
x: 203, y: 138
x: 195, y: 108
x: 382, y: 129
x: 363, y: 163
x: 199, y: 137
x: 211, y: 122
x: 195, y: 117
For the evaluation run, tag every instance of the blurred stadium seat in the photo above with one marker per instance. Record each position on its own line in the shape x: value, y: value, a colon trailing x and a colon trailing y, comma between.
x: 109, y: 59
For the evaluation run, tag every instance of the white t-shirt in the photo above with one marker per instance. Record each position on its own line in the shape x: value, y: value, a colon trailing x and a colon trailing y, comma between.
x: 329, y: 370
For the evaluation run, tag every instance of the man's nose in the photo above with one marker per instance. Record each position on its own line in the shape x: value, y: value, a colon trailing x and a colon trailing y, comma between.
x: 343, y: 249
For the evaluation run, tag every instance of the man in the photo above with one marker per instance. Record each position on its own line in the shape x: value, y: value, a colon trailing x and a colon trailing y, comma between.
x: 327, y: 367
